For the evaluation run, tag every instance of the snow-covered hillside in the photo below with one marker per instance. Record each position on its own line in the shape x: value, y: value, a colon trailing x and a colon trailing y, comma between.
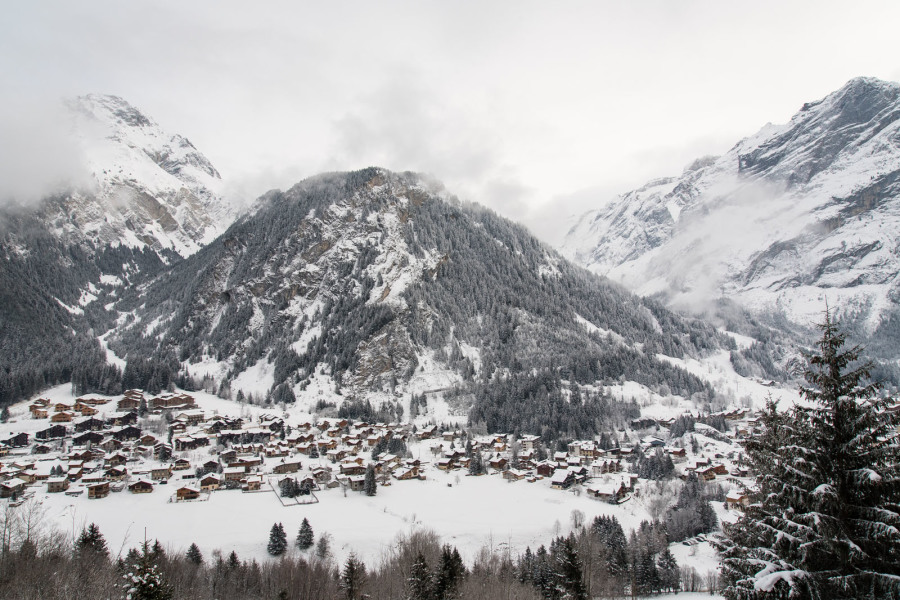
x: 152, y: 188
x: 789, y: 217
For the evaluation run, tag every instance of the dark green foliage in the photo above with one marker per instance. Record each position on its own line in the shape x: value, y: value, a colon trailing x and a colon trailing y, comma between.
x: 277, y: 540
x: 143, y: 580
x: 493, y: 288
x: 369, y: 485
x: 692, y: 513
x: 420, y: 583
x: 194, y: 555
x: 353, y: 577
x: 450, y: 573
x: 91, y: 543
x: 305, y: 536
x: 826, y: 518
x: 657, y: 466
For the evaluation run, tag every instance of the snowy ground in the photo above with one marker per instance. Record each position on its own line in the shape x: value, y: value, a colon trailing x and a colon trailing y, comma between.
x: 468, y: 512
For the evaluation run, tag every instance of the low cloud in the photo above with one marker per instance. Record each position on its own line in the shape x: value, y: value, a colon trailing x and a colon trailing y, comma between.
x: 39, y: 155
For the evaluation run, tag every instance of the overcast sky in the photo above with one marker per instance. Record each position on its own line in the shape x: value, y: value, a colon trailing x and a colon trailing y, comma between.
x: 539, y: 110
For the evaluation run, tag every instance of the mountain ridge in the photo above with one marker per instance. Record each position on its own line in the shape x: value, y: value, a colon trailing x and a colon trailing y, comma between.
x: 788, y: 217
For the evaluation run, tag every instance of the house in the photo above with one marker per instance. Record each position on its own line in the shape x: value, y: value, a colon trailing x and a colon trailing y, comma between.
x: 286, y: 467
x: 61, y: 407
x: 607, y: 492
x: 51, y: 433
x: 39, y: 412
x: 191, y: 417
x: 12, y: 486
x: 111, y: 445
x: 234, y: 473
x: 737, y: 501
x: 186, y: 493
x: 129, y: 403
x: 209, y: 483
x: 515, y: 474
x: 545, y: 469
x: 141, y: 486
x: 88, y: 437
x: 357, y: 483
x: 116, y: 460
x: 62, y: 417
x: 160, y: 473
x: 498, y: 463
x: 98, y: 490
x: 118, y: 419
x: 16, y: 440
x: 562, y: 479
x: 125, y: 433
x: 88, y: 423
x: 251, y: 484
x: 57, y: 484
x: 116, y: 473
x: 406, y: 473
x: 181, y: 464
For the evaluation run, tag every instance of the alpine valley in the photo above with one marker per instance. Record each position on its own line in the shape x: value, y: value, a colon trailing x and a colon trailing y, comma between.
x: 791, y: 218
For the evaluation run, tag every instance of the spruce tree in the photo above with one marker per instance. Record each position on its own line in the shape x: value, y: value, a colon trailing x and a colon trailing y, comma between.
x: 4, y: 414
x: 305, y: 536
x: 828, y: 513
x: 420, y: 582
x: 353, y: 577
x: 91, y: 543
x: 369, y: 484
x: 144, y: 581
x: 194, y: 555
x: 450, y: 573
x: 277, y: 540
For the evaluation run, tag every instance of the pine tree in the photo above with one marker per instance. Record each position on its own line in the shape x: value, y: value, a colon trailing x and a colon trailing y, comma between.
x: 450, y: 573
x: 569, y: 570
x: 305, y: 536
x: 369, y: 484
x: 669, y: 574
x: 353, y: 577
x: 233, y: 561
x: 419, y: 582
x: 143, y: 581
x: 4, y: 414
x: 827, y: 519
x: 277, y: 540
x: 194, y: 555
x: 314, y: 450
x: 91, y: 542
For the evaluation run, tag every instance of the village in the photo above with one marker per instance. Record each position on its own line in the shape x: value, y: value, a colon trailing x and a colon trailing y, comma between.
x: 96, y: 446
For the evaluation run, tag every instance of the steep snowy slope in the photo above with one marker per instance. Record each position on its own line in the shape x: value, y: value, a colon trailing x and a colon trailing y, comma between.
x: 152, y: 189
x: 378, y: 285
x: 792, y: 216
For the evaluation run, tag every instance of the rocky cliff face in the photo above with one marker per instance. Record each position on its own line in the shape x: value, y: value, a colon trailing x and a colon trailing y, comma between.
x: 795, y: 215
x: 152, y: 188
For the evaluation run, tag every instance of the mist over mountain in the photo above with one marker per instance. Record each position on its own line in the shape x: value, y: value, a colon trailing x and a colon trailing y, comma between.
x: 381, y: 286
x: 790, y: 218
x: 151, y: 198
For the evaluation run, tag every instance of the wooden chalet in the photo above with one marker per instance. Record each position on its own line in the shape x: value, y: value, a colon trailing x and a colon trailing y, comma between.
x: 607, y: 492
x: 10, y: 487
x: 141, y: 486
x: 98, y: 490
x: 186, y: 493
x: 562, y: 479
x: 62, y: 417
x: 16, y: 440
x: 210, y: 482
x: 160, y: 473
x: 117, y: 419
x: 57, y: 484
x: 88, y: 437
x: 286, y: 467
x: 53, y: 432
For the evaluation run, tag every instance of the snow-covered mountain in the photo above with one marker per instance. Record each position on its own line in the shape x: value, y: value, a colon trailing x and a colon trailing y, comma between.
x: 152, y: 188
x: 796, y: 214
x: 378, y: 285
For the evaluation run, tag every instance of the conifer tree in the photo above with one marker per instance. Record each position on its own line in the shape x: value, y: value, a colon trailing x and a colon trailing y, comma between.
x: 369, y: 485
x: 305, y: 536
x: 827, y: 520
x: 194, y: 555
x: 91, y: 542
x: 450, y: 573
x: 144, y: 581
x: 277, y: 540
x: 419, y: 582
x: 353, y: 577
